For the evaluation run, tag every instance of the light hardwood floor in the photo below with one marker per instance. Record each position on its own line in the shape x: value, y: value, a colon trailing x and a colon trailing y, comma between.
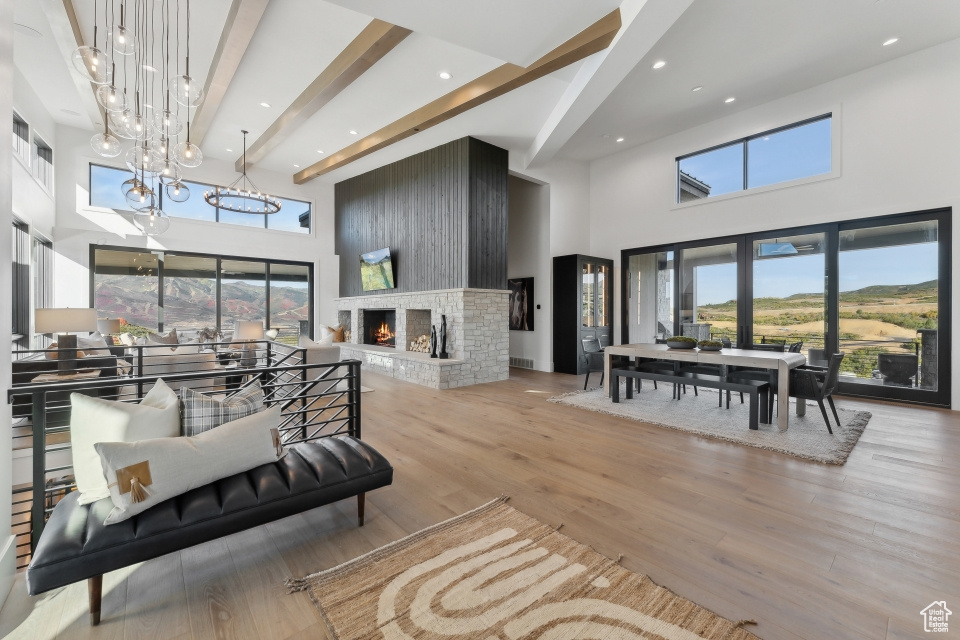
x: 808, y: 550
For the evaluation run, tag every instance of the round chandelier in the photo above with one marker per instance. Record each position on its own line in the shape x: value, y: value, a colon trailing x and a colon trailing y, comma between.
x: 242, y: 195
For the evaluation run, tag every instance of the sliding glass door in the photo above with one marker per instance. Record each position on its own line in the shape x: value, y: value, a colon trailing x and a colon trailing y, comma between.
x: 877, y: 290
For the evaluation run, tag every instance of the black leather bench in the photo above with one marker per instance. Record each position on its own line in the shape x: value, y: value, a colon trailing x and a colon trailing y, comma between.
x: 75, y: 544
x: 757, y: 389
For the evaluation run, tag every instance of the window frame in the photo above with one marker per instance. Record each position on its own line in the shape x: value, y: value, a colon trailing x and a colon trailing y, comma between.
x: 160, y: 198
x: 311, y: 301
x: 745, y: 140
x: 22, y: 153
x: 37, y: 162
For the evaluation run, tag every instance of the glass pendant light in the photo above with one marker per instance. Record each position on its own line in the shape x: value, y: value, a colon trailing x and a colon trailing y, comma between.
x: 186, y: 90
x: 120, y: 122
x: 111, y: 98
x: 91, y: 64
x: 105, y: 144
x: 160, y: 145
x: 152, y: 221
x: 166, y: 122
x: 178, y: 191
x: 187, y: 153
x: 168, y: 171
x: 141, y: 197
x: 140, y: 159
x: 121, y: 38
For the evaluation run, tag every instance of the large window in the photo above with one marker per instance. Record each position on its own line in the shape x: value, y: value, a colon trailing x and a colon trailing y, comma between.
x: 877, y: 290
x: 188, y: 291
x: 799, y: 150
x: 43, y: 163
x: 42, y: 283
x: 20, y: 255
x: 105, y: 191
x: 21, y: 139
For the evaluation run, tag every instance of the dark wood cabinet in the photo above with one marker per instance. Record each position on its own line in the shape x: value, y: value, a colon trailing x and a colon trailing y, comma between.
x: 582, y: 308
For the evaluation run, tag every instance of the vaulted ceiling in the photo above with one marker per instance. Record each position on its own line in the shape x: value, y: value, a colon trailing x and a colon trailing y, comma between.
x: 544, y: 78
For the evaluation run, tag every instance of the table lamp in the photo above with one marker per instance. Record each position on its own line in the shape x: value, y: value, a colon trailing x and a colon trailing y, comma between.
x: 248, y: 330
x: 62, y: 322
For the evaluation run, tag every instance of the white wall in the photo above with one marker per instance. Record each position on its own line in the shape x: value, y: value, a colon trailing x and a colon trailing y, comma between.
x: 899, y: 151
x: 567, y: 185
x: 528, y: 254
x: 32, y: 203
x: 78, y: 225
x: 8, y: 549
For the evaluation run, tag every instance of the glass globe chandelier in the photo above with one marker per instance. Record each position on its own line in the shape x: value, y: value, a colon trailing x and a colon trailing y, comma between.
x: 242, y: 195
x: 145, y: 99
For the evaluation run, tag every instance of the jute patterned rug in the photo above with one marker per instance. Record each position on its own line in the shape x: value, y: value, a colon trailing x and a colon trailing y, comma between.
x: 497, y: 574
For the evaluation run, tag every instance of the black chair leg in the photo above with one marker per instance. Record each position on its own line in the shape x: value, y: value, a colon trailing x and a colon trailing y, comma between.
x: 695, y: 392
x: 823, y: 410
x: 741, y: 397
x: 602, y: 373
x: 654, y: 385
x: 615, y: 381
x: 586, y: 381
x: 720, y: 398
x: 833, y: 407
x: 754, y: 410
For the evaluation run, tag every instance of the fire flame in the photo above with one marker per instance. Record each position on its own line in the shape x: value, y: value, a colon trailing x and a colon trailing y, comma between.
x: 383, y: 335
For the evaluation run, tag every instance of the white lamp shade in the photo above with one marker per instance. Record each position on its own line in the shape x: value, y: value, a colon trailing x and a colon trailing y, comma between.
x: 65, y: 320
x: 108, y: 326
x: 248, y: 330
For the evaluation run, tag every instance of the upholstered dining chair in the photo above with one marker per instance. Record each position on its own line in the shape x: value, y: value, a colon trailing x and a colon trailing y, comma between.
x: 816, y: 383
x: 593, y: 357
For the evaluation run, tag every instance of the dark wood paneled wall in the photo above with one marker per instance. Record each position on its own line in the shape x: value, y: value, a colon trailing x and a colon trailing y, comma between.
x: 443, y: 213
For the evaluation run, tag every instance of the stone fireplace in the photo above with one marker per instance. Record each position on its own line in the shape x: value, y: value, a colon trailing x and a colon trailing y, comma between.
x: 379, y: 327
x: 478, y: 335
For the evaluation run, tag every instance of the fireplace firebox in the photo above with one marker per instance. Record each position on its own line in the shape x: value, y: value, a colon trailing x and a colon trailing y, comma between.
x: 380, y: 327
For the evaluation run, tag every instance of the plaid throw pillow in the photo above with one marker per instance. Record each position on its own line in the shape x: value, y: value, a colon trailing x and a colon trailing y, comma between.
x: 200, y: 412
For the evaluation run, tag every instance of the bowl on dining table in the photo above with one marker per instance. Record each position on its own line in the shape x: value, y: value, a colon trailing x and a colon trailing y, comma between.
x: 681, y: 342
x: 710, y: 345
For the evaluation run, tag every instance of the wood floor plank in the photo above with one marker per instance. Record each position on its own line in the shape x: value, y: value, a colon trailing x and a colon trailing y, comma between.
x: 808, y: 550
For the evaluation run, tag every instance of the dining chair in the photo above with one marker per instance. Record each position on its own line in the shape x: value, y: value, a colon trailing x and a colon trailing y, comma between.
x: 593, y: 356
x: 817, y: 383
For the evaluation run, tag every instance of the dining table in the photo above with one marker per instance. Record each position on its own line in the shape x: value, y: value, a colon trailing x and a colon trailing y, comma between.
x: 782, y: 363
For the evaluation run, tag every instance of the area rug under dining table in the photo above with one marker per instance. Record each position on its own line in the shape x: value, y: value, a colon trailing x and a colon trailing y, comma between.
x: 806, y: 438
x: 497, y: 574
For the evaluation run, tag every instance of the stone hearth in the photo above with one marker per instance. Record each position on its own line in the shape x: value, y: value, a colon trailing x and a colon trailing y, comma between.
x: 478, y: 335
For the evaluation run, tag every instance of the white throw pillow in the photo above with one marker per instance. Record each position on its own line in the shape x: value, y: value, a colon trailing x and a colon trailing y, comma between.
x: 93, y: 345
x: 168, y: 467
x: 324, y: 331
x: 306, y: 343
x: 128, y: 339
x: 94, y: 420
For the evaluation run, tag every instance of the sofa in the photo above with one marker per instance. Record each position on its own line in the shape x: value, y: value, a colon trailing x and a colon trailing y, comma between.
x: 25, y: 370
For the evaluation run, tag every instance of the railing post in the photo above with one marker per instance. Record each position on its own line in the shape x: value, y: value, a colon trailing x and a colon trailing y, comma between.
x: 355, y: 401
x: 37, y: 508
x: 140, y: 372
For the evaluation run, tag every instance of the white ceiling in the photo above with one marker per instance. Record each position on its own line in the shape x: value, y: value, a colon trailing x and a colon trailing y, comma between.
x: 756, y: 50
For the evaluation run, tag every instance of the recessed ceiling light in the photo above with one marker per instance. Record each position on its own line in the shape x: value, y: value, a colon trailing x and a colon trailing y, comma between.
x: 264, y: 104
x: 27, y: 31
x: 352, y: 132
x: 297, y: 166
x: 659, y: 64
x: 697, y: 88
x: 729, y: 100
x: 890, y: 42
x: 619, y: 139
x: 319, y: 150
x: 444, y: 75
x: 229, y: 150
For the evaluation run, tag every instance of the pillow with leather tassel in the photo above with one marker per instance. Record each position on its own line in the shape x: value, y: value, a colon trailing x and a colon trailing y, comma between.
x: 145, y: 473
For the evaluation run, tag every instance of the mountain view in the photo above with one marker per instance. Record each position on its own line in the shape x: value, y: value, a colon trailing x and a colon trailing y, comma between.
x: 191, y: 303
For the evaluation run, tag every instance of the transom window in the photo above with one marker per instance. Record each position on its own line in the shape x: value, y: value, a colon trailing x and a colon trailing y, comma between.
x: 798, y: 150
x: 105, y: 191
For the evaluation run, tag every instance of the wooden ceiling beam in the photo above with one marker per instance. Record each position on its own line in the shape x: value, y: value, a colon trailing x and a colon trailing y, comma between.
x: 238, y: 30
x: 501, y: 80
x: 375, y: 41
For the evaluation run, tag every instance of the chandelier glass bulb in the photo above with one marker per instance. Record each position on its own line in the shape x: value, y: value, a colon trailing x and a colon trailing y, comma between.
x: 168, y: 171
x: 186, y: 90
x: 141, y: 197
x: 178, y: 191
x: 111, y: 98
x: 106, y: 145
x: 122, y: 40
x: 141, y: 160
x: 152, y: 221
x: 167, y: 123
x: 120, y: 122
x: 92, y: 65
x: 188, y: 154
x: 160, y: 145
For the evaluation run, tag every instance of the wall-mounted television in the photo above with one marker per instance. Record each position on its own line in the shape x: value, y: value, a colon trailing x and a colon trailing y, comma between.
x: 376, y: 270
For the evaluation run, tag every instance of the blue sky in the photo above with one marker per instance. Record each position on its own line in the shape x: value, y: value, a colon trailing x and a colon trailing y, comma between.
x: 782, y: 277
